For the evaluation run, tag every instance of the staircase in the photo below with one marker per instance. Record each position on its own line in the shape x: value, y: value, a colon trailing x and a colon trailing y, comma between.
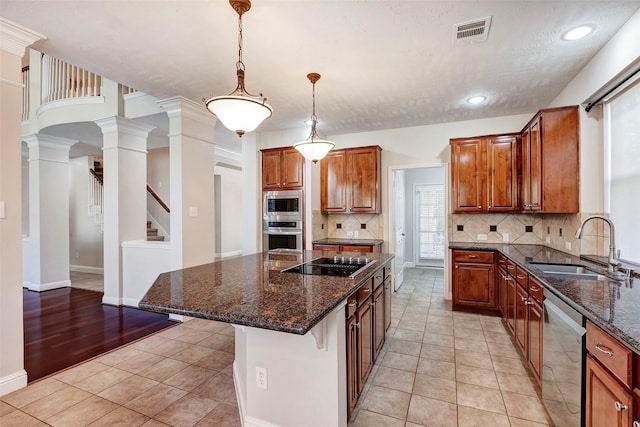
x: 152, y: 234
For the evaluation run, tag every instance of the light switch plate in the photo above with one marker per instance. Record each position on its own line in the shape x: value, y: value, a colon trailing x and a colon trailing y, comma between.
x: 567, y: 245
x: 505, y: 237
x: 193, y: 211
x: 482, y: 237
x: 548, y: 240
x: 2, y: 212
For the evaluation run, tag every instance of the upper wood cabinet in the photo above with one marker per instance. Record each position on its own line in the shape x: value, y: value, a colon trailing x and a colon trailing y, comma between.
x: 551, y: 162
x: 350, y: 181
x: 484, y: 173
x: 282, y: 169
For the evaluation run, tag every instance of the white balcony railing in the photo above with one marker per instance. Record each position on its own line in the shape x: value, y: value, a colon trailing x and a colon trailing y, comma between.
x: 64, y: 81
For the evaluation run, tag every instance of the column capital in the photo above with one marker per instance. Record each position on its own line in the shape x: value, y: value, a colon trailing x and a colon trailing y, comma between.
x: 15, y: 38
x: 180, y: 106
x: 48, y: 148
x: 126, y: 126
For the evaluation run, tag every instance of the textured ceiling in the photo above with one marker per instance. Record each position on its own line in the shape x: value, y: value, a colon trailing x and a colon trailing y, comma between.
x: 384, y: 64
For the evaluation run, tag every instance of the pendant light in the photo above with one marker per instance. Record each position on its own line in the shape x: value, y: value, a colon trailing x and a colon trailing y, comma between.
x: 240, y: 111
x: 314, y: 148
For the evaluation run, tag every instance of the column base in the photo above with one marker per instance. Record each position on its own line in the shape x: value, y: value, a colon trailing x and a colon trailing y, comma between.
x: 39, y: 287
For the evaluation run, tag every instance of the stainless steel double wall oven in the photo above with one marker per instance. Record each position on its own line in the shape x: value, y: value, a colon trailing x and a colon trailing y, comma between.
x: 283, y: 215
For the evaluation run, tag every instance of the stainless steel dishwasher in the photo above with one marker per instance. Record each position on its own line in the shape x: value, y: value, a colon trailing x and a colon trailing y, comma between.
x: 563, y: 357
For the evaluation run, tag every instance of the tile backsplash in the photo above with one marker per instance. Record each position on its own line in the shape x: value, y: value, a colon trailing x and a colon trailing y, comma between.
x: 356, y: 226
x: 553, y: 230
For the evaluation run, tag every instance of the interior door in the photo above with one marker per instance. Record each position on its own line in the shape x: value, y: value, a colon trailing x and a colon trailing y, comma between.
x: 399, y: 190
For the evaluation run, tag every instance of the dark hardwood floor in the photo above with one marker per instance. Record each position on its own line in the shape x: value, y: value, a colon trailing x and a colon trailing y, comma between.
x: 63, y: 327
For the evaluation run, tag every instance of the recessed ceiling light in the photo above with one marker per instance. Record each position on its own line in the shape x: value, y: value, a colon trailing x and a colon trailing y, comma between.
x: 476, y: 99
x: 578, y: 32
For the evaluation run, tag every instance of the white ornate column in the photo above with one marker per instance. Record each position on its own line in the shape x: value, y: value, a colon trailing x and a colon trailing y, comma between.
x: 13, y: 41
x: 125, y: 195
x: 191, y: 158
x: 48, y: 257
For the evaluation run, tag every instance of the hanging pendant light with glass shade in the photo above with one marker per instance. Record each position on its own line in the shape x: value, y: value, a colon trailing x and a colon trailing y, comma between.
x: 240, y: 111
x: 314, y: 148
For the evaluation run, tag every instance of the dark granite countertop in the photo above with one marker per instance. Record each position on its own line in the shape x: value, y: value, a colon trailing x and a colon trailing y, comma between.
x: 253, y: 291
x: 611, y: 304
x: 352, y: 242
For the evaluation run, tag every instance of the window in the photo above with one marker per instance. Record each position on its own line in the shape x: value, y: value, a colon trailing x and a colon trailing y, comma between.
x: 430, y: 221
x: 622, y: 168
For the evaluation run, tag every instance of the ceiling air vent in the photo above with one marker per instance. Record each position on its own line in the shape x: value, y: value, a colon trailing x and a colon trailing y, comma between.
x: 472, y: 31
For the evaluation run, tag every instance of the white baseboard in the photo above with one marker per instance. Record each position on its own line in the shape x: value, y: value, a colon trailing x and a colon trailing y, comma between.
x: 176, y: 317
x: 229, y: 254
x: 49, y: 286
x: 13, y: 382
x: 111, y: 301
x: 409, y: 265
x: 86, y: 269
x: 130, y: 302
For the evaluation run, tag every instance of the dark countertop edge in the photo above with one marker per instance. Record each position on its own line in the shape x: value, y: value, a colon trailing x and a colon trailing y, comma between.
x: 617, y: 333
x: 353, y: 242
x: 271, y: 326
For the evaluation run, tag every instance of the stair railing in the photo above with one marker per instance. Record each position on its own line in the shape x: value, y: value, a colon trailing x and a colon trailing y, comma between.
x: 96, y: 197
x: 158, y: 199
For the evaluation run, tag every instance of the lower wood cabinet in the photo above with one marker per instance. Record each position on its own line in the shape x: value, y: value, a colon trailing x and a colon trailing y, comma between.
x: 608, y: 404
x: 521, y: 319
x: 535, y: 323
x: 368, y: 313
x: 474, y: 280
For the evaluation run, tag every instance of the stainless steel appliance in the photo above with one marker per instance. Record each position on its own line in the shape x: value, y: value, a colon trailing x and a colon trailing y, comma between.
x: 339, y: 265
x: 562, y: 362
x: 282, y: 235
x: 283, y: 205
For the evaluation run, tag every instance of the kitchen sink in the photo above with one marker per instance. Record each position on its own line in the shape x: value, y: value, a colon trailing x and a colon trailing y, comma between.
x: 569, y: 271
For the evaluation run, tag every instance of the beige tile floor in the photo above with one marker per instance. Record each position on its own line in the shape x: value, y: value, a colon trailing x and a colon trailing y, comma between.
x: 438, y: 368
x: 88, y: 281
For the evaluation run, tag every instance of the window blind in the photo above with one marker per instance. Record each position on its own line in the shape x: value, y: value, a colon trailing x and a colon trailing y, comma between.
x: 430, y: 206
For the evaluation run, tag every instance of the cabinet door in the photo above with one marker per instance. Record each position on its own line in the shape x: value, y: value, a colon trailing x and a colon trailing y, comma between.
x: 378, y: 321
x: 292, y: 171
x: 503, y: 278
x: 535, y: 324
x: 474, y: 285
x: 326, y: 247
x: 271, y: 169
x: 352, y: 363
x: 511, y: 304
x: 521, y: 319
x: 333, y: 182
x: 466, y: 175
x: 387, y: 303
x: 364, y: 172
x: 365, y: 342
x: 608, y: 403
x: 535, y: 173
x: 502, y: 174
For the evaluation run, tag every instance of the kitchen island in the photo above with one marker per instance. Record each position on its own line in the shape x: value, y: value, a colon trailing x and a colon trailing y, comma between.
x: 290, y: 338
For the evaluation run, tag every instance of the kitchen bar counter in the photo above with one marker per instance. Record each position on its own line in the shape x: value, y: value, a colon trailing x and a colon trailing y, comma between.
x: 611, y: 304
x: 253, y: 291
x: 290, y: 366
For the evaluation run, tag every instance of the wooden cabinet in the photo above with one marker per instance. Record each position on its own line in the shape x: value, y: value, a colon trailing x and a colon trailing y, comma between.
x: 474, y: 279
x: 551, y: 162
x: 521, y: 319
x: 346, y: 248
x: 368, y: 316
x: 484, y: 173
x: 609, y: 380
x: 535, y: 323
x: 282, y: 169
x: 350, y: 181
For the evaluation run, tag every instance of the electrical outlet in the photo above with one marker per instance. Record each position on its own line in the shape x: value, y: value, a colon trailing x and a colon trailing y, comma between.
x: 193, y: 211
x: 355, y: 234
x: 482, y: 237
x: 548, y: 240
x: 505, y: 237
x: 567, y: 245
x: 349, y: 234
x: 261, y: 377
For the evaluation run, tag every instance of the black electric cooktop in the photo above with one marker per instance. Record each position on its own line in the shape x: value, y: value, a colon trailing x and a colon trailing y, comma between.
x: 343, y: 266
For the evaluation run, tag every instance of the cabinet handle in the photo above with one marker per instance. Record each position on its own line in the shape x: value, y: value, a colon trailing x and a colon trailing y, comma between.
x: 352, y: 305
x: 536, y: 204
x: 356, y: 325
x: 523, y: 299
x: 473, y: 256
x: 479, y: 207
x: 366, y: 290
x: 528, y: 302
x: 488, y: 207
x: 636, y: 424
x: 604, y: 349
x: 521, y: 277
x: 534, y: 288
x: 502, y: 261
x: 620, y: 407
x: 510, y: 267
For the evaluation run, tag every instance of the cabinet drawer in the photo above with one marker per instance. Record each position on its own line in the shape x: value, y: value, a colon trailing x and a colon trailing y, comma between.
x: 325, y: 247
x: 473, y: 256
x: 502, y: 261
x: 354, y: 248
x: 613, y: 355
x: 378, y: 278
x: 522, y: 277
x: 535, y: 289
x: 352, y: 304
x: 365, y: 291
x: 387, y: 271
x: 511, y: 267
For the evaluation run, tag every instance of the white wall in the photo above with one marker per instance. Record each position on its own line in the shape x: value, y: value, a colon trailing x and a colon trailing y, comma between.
x: 86, y: 251
x: 25, y: 193
x: 229, y: 211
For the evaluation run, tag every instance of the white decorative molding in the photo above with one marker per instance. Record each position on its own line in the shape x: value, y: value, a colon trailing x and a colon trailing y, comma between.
x: 85, y: 100
x: 180, y: 106
x: 125, y: 126
x: 13, y: 382
x: 15, y: 38
x: 49, y: 286
x: 319, y: 334
x: 86, y: 269
x: 4, y: 81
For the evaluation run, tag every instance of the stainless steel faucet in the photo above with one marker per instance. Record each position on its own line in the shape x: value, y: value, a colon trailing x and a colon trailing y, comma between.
x: 613, y: 257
